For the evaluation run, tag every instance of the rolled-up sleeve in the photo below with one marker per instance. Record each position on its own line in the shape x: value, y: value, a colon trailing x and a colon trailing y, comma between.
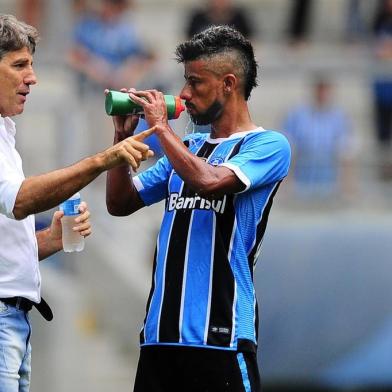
x: 9, y: 188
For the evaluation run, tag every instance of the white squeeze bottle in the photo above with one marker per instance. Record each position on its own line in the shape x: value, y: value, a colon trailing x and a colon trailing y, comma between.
x: 72, y: 240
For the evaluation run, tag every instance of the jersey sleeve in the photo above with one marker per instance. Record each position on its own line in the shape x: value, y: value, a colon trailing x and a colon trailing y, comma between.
x: 9, y: 188
x: 263, y: 158
x: 152, y: 183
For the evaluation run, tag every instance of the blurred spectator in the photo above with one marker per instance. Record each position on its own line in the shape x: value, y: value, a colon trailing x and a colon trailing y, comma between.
x: 79, y: 6
x: 106, y: 51
x: 299, y: 22
x: 382, y: 85
x: 220, y: 12
x: 32, y: 12
x: 323, y: 147
x: 358, y: 18
x: 356, y: 28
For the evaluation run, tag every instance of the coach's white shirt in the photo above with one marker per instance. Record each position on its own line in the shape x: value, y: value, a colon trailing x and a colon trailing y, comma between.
x: 19, y: 272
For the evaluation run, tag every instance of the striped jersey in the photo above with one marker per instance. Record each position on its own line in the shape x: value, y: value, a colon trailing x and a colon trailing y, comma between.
x: 202, y: 292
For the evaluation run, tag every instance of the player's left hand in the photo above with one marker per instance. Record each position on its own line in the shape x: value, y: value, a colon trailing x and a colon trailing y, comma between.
x: 154, y: 106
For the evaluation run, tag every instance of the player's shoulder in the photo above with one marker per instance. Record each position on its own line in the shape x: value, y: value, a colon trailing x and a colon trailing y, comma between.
x: 261, y: 135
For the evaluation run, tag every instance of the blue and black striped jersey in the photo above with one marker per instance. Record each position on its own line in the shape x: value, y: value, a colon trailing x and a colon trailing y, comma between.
x: 202, y: 292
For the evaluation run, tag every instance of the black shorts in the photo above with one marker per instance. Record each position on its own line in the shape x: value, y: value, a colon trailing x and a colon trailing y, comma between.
x: 188, y: 369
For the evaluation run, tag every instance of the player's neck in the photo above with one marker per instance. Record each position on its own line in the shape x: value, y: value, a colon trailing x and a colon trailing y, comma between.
x: 232, y: 121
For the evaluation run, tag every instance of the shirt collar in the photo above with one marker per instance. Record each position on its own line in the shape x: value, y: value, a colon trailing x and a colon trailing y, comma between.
x: 8, y: 124
x: 233, y: 135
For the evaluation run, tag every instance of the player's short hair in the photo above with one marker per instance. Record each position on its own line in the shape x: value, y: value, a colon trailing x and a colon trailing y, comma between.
x: 227, y: 43
x: 15, y: 35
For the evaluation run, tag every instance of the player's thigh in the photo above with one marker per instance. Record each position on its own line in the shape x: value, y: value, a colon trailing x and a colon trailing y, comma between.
x: 222, y: 371
x: 157, y: 370
x: 168, y: 369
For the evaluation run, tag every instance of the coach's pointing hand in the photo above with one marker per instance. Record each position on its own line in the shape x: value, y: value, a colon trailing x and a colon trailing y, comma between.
x: 131, y: 150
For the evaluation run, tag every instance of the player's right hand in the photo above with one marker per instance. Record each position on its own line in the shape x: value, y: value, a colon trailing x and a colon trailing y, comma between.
x: 124, y: 126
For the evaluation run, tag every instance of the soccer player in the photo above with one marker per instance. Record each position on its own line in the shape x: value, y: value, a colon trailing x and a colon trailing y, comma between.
x: 200, y: 330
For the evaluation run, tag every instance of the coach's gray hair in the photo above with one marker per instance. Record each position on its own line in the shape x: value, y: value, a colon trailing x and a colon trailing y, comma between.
x: 15, y: 35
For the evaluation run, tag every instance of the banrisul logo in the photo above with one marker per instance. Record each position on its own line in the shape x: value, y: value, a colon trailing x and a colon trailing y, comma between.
x: 195, y: 202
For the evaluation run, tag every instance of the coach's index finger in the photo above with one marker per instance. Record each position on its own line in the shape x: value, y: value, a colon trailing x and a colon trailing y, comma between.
x: 145, y: 134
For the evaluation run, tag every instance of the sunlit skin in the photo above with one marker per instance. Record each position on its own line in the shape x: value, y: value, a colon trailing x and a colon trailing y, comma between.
x: 208, y: 82
x: 202, y: 89
x: 16, y: 77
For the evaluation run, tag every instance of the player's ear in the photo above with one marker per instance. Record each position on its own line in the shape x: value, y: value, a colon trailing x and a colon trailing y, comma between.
x: 229, y: 83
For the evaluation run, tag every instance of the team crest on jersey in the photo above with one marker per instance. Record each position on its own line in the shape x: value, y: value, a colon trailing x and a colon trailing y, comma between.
x: 195, y: 202
x: 216, y: 161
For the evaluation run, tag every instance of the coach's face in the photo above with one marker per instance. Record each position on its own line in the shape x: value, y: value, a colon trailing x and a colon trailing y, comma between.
x: 16, y: 77
x: 202, y: 92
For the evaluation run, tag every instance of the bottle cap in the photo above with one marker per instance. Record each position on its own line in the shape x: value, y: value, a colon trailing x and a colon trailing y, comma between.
x: 75, y: 196
x: 71, y: 205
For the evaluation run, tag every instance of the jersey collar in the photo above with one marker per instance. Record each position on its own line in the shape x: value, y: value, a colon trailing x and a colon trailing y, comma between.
x: 236, y: 135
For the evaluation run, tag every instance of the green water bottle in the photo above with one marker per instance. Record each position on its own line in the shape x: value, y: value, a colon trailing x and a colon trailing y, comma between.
x: 119, y: 104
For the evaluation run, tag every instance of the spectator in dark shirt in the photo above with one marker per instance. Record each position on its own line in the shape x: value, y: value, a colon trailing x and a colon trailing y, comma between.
x: 300, y: 15
x: 382, y: 86
x: 220, y: 12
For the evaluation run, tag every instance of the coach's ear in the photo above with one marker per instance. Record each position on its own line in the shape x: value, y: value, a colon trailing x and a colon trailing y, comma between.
x: 229, y: 83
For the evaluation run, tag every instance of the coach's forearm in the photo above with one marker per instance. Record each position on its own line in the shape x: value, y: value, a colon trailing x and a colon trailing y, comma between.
x: 46, y: 245
x: 45, y: 191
